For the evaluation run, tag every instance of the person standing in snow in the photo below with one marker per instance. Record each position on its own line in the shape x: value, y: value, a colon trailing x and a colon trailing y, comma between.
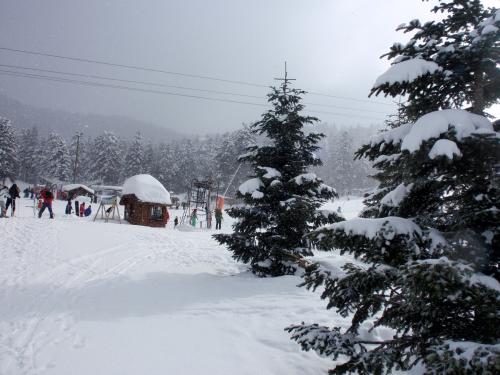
x: 47, y: 197
x: 176, y: 222
x: 194, y: 218
x: 3, y: 210
x: 166, y: 216
x: 69, y: 207
x: 82, y: 209
x: 11, y: 199
x: 218, y: 218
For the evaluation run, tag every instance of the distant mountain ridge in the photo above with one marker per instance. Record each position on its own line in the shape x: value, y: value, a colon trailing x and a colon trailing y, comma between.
x: 67, y: 124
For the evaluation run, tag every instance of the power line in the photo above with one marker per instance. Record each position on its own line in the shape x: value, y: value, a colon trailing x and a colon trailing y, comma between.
x: 137, y: 89
x: 135, y: 67
x: 129, y: 81
x: 172, y: 86
x: 97, y: 84
x: 155, y: 70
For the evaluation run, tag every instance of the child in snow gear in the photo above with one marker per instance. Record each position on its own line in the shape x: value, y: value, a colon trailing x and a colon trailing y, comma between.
x: 11, y: 199
x: 82, y: 209
x: 218, y: 218
x: 88, y: 211
x: 194, y: 218
x: 77, y: 208
x: 47, y: 197
x: 176, y: 222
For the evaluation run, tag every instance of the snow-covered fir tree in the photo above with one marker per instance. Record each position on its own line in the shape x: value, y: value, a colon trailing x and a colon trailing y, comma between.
x: 9, y: 159
x: 231, y: 146
x: 134, y: 159
x: 57, y: 160
x: 428, y: 243
x: 340, y: 168
x: 342, y: 162
x: 282, y: 198
x: 28, y: 146
x: 106, y: 159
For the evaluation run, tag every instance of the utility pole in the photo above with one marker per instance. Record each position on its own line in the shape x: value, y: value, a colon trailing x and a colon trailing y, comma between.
x: 285, y: 80
x: 78, y: 135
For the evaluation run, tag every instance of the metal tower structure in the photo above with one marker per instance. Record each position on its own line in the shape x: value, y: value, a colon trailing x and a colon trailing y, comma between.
x: 198, y: 198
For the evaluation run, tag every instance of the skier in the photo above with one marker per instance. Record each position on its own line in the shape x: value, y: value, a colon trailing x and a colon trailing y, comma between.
x: 176, y: 222
x: 194, y: 218
x: 11, y: 199
x: 47, y: 197
x: 26, y: 193
x: 218, y: 218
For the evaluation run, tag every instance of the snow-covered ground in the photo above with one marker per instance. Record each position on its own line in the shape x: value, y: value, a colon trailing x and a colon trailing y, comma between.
x: 81, y: 297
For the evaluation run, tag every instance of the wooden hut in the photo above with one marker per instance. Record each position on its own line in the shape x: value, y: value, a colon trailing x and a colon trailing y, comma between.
x: 145, y: 200
x: 75, y: 190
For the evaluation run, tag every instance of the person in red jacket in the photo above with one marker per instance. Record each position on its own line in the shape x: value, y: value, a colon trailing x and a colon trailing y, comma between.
x: 47, y: 197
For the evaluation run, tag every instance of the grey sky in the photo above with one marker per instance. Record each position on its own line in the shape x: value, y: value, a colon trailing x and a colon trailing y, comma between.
x: 330, y: 46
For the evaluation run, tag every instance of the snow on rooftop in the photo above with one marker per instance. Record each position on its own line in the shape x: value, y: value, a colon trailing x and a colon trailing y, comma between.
x: 70, y: 187
x: 407, y: 71
x: 147, y: 189
x: 444, y: 147
x: 433, y: 124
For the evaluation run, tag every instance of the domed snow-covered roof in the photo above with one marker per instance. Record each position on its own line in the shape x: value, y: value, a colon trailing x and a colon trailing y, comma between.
x: 146, y: 188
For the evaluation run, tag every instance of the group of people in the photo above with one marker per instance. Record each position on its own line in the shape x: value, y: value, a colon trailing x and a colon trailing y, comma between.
x: 45, y: 198
x: 80, y: 209
x: 193, y: 219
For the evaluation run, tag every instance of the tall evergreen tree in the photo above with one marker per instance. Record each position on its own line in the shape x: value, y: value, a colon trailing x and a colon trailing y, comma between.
x: 106, y: 158
x: 282, y: 197
x: 231, y: 146
x: 134, y: 160
x: 341, y: 161
x: 430, y: 237
x: 58, y: 162
x: 8, y: 150
x: 28, y: 146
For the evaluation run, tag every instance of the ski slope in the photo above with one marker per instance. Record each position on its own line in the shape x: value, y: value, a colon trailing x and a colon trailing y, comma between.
x: 81, y: 297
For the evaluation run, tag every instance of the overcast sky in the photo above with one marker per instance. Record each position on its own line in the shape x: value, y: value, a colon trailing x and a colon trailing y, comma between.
x: 331, y: 47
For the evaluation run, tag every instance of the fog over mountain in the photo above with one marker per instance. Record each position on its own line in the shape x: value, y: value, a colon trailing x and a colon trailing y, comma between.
x: 67, y: 124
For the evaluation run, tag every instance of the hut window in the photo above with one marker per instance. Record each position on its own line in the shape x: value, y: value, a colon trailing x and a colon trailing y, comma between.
x: 156, y: 213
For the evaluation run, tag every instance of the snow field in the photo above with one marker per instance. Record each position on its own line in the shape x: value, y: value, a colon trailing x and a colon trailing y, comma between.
x: 84, y: 297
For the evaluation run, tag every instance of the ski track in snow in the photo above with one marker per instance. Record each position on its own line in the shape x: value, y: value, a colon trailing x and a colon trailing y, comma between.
x: 59, y: 275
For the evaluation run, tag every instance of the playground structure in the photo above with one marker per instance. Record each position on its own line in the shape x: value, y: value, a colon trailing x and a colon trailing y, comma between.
x: 199, y: 199
x: 108, y: 213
